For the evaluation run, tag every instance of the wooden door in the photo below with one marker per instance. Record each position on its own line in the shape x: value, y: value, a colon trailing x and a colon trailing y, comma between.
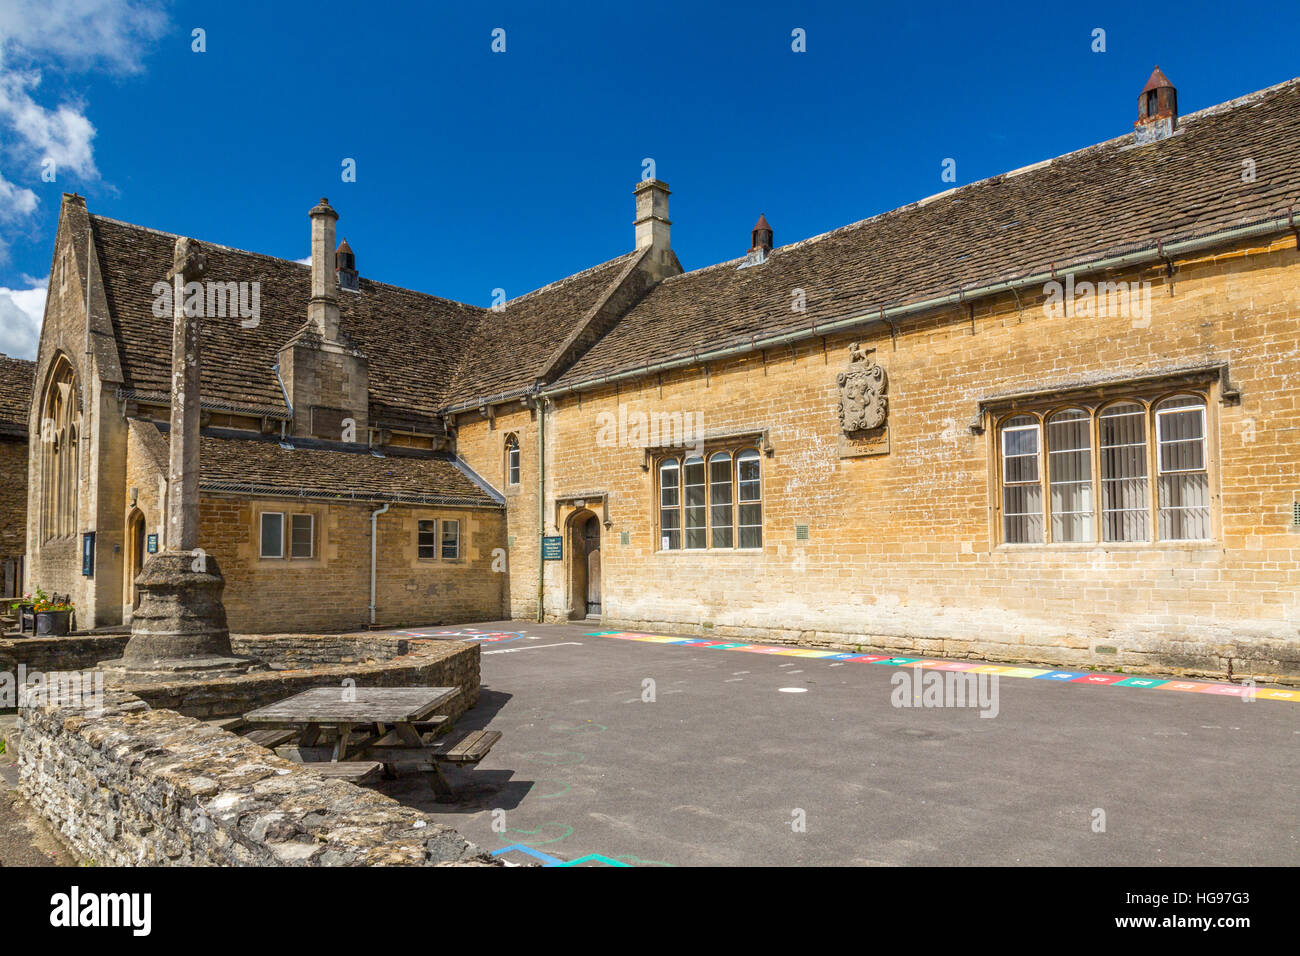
x: 591, y: 536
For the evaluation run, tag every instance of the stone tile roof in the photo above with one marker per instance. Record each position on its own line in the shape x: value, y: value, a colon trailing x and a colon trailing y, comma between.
x: 319, y: 470
x: 16, y: 377
x: 411, y: 339
x: 1083, y: 206
x: 506, y: 350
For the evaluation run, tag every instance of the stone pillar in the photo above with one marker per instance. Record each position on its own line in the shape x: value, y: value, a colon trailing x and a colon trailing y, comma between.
x: 181, y: 622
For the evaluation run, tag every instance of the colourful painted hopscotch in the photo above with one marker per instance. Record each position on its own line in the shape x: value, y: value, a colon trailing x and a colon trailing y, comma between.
x: 1007, y: 670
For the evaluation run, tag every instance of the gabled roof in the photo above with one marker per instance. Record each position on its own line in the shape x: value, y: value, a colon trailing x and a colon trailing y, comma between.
x: 413, y: 340
x: 1083, y: 206
x: 507, y: 350
x: 16, y: 376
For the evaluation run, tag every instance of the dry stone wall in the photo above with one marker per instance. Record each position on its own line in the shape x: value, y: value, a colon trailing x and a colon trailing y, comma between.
x: 136, y: 786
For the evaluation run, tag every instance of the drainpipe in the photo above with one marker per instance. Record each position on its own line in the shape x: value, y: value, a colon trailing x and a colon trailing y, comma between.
x: 374, y: 550
x: 541, y: 505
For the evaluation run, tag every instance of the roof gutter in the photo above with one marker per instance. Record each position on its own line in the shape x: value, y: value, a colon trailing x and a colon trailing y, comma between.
x: 1159, y: 252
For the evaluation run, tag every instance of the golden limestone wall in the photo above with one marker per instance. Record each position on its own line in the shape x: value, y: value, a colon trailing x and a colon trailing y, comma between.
x: 902, y: 549
x: 331, y: 590
x: 482, y: 446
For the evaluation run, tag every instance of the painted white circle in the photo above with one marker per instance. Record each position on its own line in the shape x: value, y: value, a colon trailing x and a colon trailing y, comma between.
x: 793, y: 690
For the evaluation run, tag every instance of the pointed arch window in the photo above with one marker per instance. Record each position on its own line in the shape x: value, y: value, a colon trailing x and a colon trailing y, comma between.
x: 513, y: 460
x: 60, y: 472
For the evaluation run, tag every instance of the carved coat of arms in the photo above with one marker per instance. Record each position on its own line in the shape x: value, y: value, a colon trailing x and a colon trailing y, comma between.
x: 863, y: 403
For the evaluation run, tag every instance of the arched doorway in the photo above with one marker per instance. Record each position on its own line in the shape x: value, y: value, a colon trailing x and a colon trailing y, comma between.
x: 591, y: 542
x: 135, y: 559
x: 584, y: 566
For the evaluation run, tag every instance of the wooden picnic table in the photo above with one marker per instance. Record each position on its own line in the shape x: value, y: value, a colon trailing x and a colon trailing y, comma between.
x: 390, y: 720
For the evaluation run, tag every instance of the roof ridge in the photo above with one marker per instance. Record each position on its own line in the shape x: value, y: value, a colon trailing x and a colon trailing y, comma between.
x: 264, y: 255
x: 571, y: 277
x: 1123, y: 140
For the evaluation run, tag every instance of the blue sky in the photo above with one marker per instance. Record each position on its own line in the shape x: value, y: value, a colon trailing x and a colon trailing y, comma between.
x: 478, y: 170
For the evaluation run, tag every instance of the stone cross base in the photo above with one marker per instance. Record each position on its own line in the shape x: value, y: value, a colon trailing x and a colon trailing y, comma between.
x: 180, y: 624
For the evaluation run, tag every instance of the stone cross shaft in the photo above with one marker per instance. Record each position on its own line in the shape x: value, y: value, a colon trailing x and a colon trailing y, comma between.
x: 189, y: 264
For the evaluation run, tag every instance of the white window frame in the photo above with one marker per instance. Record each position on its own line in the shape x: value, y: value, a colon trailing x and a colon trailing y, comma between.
x: 1003, y: 431
x: 435, y: 547
x: 514, y: 461
x: 442, y: 540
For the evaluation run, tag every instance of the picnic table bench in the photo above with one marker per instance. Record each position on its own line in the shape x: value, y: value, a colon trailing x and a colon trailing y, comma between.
x: 372, y: 727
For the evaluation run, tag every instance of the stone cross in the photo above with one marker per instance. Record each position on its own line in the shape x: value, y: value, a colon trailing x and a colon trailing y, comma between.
x: 189, y: 264
x: 180, y: 625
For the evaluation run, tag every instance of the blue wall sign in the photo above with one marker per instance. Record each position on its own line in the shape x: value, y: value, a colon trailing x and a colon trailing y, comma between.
x: 552, y: 547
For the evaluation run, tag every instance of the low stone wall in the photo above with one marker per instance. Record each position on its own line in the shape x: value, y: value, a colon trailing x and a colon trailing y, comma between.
x: 422, y: 664
x: 60, y: 653
x: 135, y: 786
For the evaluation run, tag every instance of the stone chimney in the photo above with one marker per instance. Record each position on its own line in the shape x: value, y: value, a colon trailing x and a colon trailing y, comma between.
x: 323, y: 309
x: 325, y: 377
x: 1157, y: 110
x: 347, y: 267
x: 653, y: 224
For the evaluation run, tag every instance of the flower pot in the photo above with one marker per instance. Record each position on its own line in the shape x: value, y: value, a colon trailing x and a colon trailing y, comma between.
x: 52, y: 623
x: 26, y: 619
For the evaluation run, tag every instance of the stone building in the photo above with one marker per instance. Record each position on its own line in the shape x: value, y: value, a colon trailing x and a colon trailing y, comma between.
x: 1047, y: 416
x: 15, y: 401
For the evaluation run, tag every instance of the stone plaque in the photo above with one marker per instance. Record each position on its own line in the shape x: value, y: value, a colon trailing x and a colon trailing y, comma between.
x: 863, y: 444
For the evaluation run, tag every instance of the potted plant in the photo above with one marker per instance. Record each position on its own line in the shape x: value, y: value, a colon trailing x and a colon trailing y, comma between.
x: 53, y: 617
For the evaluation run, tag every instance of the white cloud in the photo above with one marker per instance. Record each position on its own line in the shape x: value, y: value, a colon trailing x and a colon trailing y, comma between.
x: 64, y: 36
x: 303, y: 262
x: 83, y: 34
x: 61, y: 134
x: 21, y: 312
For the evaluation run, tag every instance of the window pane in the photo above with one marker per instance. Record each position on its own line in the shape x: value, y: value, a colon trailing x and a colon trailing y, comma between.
x: 1184, y: 507
x: 451, y: 539
x: 272, y: 534
x: 720, y: 503
x: 1183, y: 486
x: 1069, y: 464
x: 427, y: 539
x: 1022, y: 489
x: 749, y: 524
x: 300, y: 536
x: 512, y: 461
x: 693, y: 486
x: 670, y: 527
x: 1125, y: 510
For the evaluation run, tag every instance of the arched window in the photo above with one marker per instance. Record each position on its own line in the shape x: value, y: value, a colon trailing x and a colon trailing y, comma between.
x: 693, y: 484
x: 1125, y: 510
x: 1069, y: 470
x: 750, y: 495
x: 512, y: 460
x: 60, y: 428
x: 1022, y: 483
x: 721, y: 507
x: 1183, y: 479
x: 670, y: 529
